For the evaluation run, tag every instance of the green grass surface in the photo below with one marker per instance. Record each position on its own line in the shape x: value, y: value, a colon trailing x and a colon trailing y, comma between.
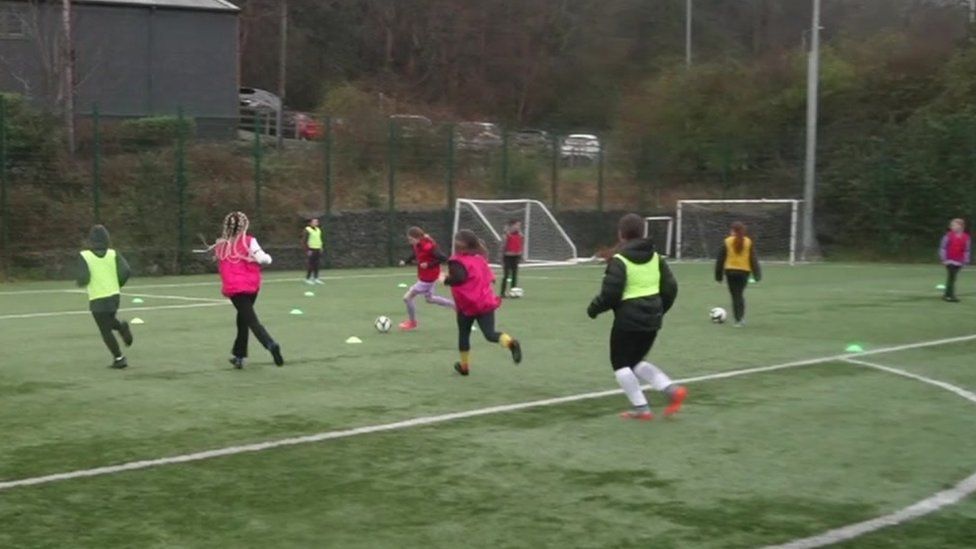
x: 752, y: 460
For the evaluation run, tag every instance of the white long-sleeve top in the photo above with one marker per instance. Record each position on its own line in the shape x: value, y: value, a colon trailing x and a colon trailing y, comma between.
x: 258, y: 253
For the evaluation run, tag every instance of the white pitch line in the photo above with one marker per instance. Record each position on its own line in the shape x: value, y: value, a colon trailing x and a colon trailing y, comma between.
x: 123, y: 310
x: 176, y: 297
x: 431, y: 420
x: 929, y: 505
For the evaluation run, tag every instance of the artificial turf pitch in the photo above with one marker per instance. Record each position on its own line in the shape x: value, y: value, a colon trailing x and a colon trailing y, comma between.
x: 752, y: 460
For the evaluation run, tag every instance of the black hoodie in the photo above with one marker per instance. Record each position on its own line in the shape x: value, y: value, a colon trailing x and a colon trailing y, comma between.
x: 643, y: 314
x: 100, y: 243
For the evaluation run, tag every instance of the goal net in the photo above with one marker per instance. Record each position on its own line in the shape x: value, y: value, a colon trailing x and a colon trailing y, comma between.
x: 545, y: 241
x: 660, y: 230
x: 773, y: 224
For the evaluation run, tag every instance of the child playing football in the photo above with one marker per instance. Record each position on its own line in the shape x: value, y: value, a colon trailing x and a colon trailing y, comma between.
x: 312, y: 240
x: 428, y: 259
x: 239, y: 257
x: 639, y: 288
x: 103, y: 271
x: 470, y: 278
x: 955, y: 252
x: 512, y: 255
x: 737, y: 261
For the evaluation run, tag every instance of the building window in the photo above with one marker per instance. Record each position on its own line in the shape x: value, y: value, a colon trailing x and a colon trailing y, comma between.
x: 13, y: 22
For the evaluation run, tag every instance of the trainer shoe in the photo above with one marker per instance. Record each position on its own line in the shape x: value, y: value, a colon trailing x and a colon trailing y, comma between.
x: 516, y: 349
x: 677, y: 399
x: 319, y: 281
x: 461, y: 369
x: 120, y: 363
x: 640, y: 415
x: 237, y: 362
x: 309, y: 281
x: 951, y: 299
x: 276, y: 354
x: 408, y: 325
x: 126, y: 333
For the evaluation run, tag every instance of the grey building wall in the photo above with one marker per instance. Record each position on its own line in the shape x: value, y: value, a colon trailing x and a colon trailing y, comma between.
x: 139, y: 61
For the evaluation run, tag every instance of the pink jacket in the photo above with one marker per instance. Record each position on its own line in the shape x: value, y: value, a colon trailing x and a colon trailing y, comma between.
x: 475, y: 296
x: 240, y: 276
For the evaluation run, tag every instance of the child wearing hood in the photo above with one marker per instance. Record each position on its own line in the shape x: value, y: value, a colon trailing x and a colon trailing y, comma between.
x: 102, y: 271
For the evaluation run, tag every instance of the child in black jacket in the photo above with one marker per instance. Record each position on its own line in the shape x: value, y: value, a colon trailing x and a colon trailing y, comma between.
x: 102, y: 271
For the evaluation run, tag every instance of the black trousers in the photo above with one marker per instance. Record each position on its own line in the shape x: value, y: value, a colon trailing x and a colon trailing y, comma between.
x: 952, y: 272
x: 738, y: 281
x: 510, y: 265
x: 247, y: 320
x: 314, y: 258
x: 628, y: 349
x: 107, y: 324
x: 486, y: 323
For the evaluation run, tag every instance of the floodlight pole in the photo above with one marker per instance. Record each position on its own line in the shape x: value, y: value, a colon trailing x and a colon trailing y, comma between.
x: 810, y: 171
x: 282, y: 73
x: 688, y: 18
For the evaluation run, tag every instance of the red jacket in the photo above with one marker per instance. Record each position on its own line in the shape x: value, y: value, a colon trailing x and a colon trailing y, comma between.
x: 425, y: 252
x: 514, y: 243
x: 955, y: 248
x: 474, y: 295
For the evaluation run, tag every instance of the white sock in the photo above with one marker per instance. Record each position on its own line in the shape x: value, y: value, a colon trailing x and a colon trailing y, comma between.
x: 653, y: 375
x: 631, y: 386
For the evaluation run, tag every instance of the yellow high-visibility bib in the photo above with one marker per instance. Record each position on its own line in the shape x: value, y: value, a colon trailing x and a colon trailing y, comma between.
x: 643, y: 280
x: 104, y: 275
x: 314, y: 237
x: 738, y: 261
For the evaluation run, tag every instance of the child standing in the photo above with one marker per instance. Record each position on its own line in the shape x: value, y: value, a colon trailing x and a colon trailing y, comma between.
x: 470, y: 278
x: 103, y: 271
x: 639, y: 288
x: 737, y: 261
x: 428, y: 259
x: 312, y: 239
x: 239, y: 257
x: 514, y: 242
x: 955, y: 252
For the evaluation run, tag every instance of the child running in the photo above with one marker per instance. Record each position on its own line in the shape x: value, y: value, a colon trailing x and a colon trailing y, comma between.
x: 312, y: 239
x: 955, y: 252
x: 639, y: 288
x: 514, y: 242
x: 737, y: 261
x: 428, y: 259
x: 103, y: 271
x: 239, y: 257
x: 471, y: 279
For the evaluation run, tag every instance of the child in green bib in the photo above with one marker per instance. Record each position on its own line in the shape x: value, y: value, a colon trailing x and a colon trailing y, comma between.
x: 102, y: 271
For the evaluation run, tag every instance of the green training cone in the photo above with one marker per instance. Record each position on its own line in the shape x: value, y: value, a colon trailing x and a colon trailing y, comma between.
x: 940, y: 287
x: 309, y: 294
x: 137, y: 300
x: 296, y: 312
x: 752, y: 280
x: 854, y: 348
x: 403, y: 285
x: 137, y: 321
x: 354, y: 339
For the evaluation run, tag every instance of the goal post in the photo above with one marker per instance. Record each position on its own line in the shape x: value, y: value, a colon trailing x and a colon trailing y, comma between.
x: 545, y: 242
x: 773, y: 223
x: 660, y: 229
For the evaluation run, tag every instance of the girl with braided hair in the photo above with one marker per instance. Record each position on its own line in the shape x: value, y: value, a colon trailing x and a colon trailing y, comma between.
x: 239, y: 257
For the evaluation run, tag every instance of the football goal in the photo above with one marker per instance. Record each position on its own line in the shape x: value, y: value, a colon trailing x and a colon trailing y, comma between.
x: 773, y: 224
x: 660, y: 229
x: 545, y: 241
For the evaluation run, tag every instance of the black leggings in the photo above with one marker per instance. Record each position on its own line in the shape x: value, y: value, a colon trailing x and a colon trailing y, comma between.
x: 738, y: 280
x: 486, y: 323
x: 107, y: 323
x: 628, y: 349
x: 952, y: 272
x: 510, y: 265
x: 314, y: 258
x: 247, y: 320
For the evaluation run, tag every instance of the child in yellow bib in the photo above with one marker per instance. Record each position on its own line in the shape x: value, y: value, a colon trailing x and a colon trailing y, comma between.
x: 737, y: 262
x: 102, y: 271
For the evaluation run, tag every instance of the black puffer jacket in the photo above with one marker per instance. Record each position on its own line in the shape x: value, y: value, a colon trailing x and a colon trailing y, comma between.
x: 644, y: 314
x: 100, y: 243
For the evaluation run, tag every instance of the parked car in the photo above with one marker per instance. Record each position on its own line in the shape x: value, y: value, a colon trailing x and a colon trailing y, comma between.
x: 412, y: 125
x: 534, y: 140
x: 580, y: 146
x: 478, y: 136
x: 257, y: 99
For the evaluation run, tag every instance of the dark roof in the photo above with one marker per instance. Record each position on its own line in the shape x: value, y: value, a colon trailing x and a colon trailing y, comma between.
x: 203, y: 5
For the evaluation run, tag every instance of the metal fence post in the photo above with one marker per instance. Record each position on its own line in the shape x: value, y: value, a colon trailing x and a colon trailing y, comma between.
x: 555, y: 172
x: 257, y: 172
x: 180, y: 190
x: 391, y: 152
x: 449, y: 176
x: 505, y: 161
x: 96, y: 164
x: 599, y: 177
x: 327, y: 161
x: 4, y: 207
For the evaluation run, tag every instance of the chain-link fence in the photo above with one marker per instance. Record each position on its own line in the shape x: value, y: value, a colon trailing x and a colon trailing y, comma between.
x: 160, y: 184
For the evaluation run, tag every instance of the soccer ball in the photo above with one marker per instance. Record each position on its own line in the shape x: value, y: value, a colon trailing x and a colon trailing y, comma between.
x: 718, y: 315
x: 383, y: 324
x: 516, y: 293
